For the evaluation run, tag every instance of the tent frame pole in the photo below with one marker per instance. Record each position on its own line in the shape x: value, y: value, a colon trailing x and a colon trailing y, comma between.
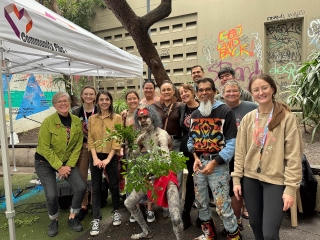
x: 10, y: 212
x: 10, y: 115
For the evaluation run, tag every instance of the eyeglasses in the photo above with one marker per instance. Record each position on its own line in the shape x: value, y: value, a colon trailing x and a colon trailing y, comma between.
x: 62, y: 101
x: 202, y: 90
x: 263, y: 89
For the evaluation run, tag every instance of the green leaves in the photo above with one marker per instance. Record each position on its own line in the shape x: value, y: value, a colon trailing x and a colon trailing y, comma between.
x: 143, y: 169
x: 304, y: 90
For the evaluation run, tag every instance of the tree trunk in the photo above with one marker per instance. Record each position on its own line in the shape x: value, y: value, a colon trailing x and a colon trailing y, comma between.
x: 138, y: 27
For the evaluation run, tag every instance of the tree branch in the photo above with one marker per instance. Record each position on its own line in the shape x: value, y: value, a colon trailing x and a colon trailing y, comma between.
x: 157, y: 14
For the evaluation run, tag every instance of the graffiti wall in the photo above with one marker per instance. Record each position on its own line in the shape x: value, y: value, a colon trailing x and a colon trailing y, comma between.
x: 283, y: 52
x: 31, y: 96
x: 237, y: 48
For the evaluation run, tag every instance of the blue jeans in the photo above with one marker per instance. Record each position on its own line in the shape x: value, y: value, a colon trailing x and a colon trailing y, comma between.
x: 219, y: 184
x: 96, y: 179
x: 47, y: 176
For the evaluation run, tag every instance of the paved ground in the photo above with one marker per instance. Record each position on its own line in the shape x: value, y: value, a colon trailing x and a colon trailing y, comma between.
x: 308, y: 228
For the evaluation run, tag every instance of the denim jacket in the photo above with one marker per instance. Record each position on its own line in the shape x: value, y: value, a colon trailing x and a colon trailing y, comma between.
x: 52, y: 141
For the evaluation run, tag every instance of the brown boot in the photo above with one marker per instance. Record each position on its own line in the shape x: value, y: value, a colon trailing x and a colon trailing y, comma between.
x: 234, y: 236
x: 209, y: 231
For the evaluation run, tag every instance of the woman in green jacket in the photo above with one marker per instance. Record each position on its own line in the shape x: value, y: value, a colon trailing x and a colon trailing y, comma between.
x: 59, y: 144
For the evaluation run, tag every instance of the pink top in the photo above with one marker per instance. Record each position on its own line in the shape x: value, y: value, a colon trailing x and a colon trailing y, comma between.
x: 155, y: 99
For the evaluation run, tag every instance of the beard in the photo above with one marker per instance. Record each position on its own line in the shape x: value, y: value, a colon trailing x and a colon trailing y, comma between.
x: 205, y: 108
x: 147, y: 127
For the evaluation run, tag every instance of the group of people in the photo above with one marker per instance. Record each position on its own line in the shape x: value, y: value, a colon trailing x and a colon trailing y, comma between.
x: 236, y: 149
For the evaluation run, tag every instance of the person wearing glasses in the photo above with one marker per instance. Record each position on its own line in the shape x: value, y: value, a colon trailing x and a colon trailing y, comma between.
x: 225, y: 74
x: 268, y: 159
x: 211, y: 140
x: 60, y: 141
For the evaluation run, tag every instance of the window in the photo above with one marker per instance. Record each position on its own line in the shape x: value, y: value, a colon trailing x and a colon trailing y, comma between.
x: 165, y: 44
x: 177, y: 57
x: 177, y: 27
x: 191, y: 40
x: 118, y: 37
x: 164, y: 29
x: 177, y: 42
x: 108, y: 38
x: 190, y: 25
x: 192, y: 55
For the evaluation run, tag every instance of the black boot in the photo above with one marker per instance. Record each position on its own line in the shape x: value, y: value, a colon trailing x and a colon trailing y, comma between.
x: 186, y: 219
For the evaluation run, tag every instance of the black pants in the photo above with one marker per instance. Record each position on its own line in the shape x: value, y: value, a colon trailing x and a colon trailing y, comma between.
x: 96, y: 178
x: 265, y: 207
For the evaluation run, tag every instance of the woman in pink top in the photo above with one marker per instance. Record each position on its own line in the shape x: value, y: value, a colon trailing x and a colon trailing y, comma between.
x: 149, y: 93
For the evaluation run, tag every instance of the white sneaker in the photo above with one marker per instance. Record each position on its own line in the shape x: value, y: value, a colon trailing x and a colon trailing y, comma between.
x: 116, y: 218
x: 202, y: 237
x: 132, y: 219
x: 150, y: 216
x: 95, y: 230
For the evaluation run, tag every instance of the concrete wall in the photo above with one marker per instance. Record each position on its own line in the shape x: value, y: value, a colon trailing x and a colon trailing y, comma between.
x: 252, y: 36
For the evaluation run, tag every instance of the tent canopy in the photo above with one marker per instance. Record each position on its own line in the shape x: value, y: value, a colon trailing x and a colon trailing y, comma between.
x: 33, y: 39
x: 36, y: 40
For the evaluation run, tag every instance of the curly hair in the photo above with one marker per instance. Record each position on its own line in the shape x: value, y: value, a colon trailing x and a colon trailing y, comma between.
x: 153, y: 115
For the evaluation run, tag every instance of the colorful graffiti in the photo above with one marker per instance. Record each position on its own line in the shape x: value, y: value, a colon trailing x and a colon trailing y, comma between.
x: 230, y: 44
x: 243, y: 73
x: 290, y: 70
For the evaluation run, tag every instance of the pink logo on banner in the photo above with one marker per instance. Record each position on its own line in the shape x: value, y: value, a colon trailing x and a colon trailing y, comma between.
x: 19, y: 14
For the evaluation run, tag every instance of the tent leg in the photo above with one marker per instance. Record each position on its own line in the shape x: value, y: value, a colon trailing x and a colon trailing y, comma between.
x: 10, y: 212
x: 11, y: 122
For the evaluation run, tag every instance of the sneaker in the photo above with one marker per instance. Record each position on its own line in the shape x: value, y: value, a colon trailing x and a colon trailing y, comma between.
x: 150, y: 216
x: 83, y: 212
x: 143, y: 235
x: 53, y: 228
x: 132, y: 219
x: 202, y: 237
x: 116, y: 218
x: 75, y: 224
x: 234, y: 236
x: 95, y: 230
x: 240, y: 227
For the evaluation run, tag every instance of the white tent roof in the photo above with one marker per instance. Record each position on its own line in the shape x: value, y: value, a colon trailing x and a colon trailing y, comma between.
x: 34, y: 39
x: 37, y: 40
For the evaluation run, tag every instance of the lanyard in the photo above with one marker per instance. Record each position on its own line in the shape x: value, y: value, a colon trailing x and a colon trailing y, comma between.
x: 85, y: 115
x: 264, y: 137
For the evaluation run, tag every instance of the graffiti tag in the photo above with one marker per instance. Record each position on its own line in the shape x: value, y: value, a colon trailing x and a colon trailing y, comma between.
x: 230, y: 44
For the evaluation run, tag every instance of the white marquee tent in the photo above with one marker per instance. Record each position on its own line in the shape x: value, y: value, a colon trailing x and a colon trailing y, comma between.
x: 33, y: 39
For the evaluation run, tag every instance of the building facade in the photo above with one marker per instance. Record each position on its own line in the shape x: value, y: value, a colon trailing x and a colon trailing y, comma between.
x: 252, y: 36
